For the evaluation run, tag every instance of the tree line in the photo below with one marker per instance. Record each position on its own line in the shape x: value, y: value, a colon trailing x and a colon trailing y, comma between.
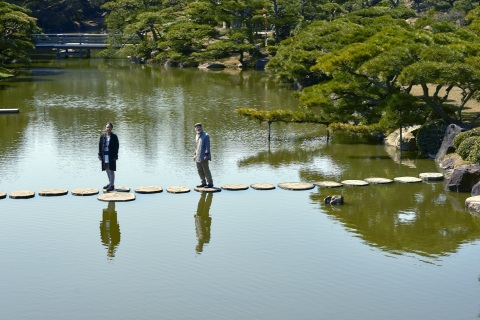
x: 372, y: 64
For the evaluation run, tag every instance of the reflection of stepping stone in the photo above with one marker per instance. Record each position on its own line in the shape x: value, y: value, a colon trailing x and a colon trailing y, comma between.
x: 205, y: 189
x: 296, y: 185
x: 234, y: 187
x: 119, y: 189
x: 378, y: 180
x: 178, y: 189
x: 117, y: 197
x: 431, y: 176
x: 22, y: 194
x: 356, y: 183
x: 407, y: 179
x: 52, y: 192
x: 148, y: 189
x: 3, y: 195
x: 84, y: 192
x: 262, y: 186
x: 328, y: 184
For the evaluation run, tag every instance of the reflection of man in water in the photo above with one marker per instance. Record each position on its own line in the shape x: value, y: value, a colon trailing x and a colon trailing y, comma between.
x: 110, y: 229
x: 203, y: 220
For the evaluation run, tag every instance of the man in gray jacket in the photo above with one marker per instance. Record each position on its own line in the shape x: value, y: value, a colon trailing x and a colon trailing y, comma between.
x: 202, y: 156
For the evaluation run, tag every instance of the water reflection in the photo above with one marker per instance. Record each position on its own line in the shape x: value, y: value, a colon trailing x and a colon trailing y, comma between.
x: 110, y: 230
x: 203, y: 221
x: 401, y: 218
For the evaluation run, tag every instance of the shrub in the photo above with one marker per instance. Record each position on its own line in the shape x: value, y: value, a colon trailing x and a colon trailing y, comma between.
x: 467, y: 146
x: 430, y: 136
x: 464, y: 135
x: 474, y: 155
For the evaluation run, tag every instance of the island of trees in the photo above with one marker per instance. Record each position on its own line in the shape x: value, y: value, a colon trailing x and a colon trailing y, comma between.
x: 363, y: 66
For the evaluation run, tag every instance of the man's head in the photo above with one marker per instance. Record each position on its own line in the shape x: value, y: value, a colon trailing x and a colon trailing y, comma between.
x: 198, y: 127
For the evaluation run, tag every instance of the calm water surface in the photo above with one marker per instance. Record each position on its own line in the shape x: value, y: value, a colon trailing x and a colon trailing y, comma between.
x: 393, y: 251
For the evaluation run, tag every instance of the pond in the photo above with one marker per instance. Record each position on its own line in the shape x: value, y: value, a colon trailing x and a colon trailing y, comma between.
x: 392, y: 251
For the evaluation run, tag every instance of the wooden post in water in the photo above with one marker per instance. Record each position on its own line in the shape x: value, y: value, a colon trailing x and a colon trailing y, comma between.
x: 8, y: 111
x: 269, y: 123
x: 401, y: 141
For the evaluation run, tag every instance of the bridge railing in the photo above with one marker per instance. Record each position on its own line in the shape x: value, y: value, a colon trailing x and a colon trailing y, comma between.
x: 66, y: 38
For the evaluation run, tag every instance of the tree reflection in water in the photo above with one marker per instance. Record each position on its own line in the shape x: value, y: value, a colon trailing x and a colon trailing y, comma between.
x: 203, y: 221
x: 419, y: 219
x: 110, y: 230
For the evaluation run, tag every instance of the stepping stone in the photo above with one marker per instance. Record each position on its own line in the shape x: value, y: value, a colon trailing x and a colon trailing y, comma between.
x: 119, y: 189
x: 407, y: 179
x: 473, y: 204
x: 3, y: 195
x: 356, y: 183
x: 262, y: 186
x: 148, y: 189
x: 22, y: 194
x: 431, y: 176
x: 178, y: 189
x: 205, y: 189
x: 328, y: 184
x: 296, y: 186
x: 234, y: 187
x: 85, y: 192
x: 117, y: 197
x: 378, y: 180
x: 52, y: 192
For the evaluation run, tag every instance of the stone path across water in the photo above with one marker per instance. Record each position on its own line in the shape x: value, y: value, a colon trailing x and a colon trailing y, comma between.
x: 178, y: 189
x: 122, y: 193
x: 262, y: 186
x: 52, y: 192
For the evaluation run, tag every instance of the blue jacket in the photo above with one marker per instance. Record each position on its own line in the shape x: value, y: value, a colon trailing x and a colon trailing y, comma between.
x: 202, y: 147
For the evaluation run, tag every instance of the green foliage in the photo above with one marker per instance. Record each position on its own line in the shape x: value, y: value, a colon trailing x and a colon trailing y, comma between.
x: 464, y: 135
x: 430, y: 137
x: 357, y: 133
x: 280, y: 116
x: 467, y: 146
x: 474, y: 155
x: 16, y: 29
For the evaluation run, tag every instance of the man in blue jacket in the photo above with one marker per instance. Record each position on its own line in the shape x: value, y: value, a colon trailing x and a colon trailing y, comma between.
x: 202, y: 155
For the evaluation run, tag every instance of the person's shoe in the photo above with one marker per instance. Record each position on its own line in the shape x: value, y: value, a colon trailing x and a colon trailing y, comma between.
x: 210, y: 185
x: 202, y: 185
x: 110, y: 188
x: 106, y: 187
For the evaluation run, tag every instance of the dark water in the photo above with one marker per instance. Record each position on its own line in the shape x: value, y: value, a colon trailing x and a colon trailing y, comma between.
x: 395, y: 251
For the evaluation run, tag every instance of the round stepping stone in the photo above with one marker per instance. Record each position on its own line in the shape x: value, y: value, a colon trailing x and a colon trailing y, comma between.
x: 85, y: 192
x: 178, y: 189
x: 3, y: 195
x: 473, y: 204
x: 356, y: 183
x: 378, y: 180
x: 119, y: 189
x: 117, y: 197
x: 205, y: 189
x: 431, y: 176
x: 296, y: 186
x: 407, y: 179
x: 148, y: 189
x: 234, y: 187
x: 52, y: 192
x: 22, y: 194
x: 262, y: 186
x: 328, y: 184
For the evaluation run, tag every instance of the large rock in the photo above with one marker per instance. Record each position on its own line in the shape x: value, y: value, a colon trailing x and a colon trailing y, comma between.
x: 447, y: 144
x: 463, y: 178
x: 408, y: 141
